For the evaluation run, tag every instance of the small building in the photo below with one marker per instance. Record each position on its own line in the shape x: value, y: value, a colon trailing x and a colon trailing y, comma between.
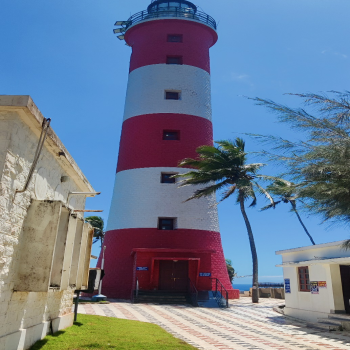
x: 45, y: 245
x: 317, y: 281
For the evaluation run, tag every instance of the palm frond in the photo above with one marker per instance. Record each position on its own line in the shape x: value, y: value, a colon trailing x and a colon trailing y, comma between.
x: 207, y: 191
x: 269, y: 206
x: 346, y: 245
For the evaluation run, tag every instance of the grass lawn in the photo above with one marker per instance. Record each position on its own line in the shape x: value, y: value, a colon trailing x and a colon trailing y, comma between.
x: 98, y: 332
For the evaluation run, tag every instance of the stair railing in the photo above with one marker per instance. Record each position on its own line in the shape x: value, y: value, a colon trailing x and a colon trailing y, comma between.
x: 193, y: 292
x: 220, y: 292
x: 135, y: 292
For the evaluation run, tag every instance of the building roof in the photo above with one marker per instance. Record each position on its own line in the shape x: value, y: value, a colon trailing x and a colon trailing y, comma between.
x: 341, y: 261
x: 30, y: 114
x: 311, y: 247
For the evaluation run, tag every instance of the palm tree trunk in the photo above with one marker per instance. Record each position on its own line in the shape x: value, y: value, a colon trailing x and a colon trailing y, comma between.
x: 255, y: 291
x: 302, y: 224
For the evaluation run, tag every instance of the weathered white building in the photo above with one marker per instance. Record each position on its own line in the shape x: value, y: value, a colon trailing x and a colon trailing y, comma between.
x: 317, y: 281
x: 45, y: 245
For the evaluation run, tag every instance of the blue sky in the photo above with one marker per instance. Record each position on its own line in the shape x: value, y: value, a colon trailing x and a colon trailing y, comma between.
x: 64, y: 54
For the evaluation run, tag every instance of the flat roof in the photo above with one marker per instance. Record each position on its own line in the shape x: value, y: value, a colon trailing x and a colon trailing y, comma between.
x: 31, y: 115
x: 311, y: 247
x: 338, y: 260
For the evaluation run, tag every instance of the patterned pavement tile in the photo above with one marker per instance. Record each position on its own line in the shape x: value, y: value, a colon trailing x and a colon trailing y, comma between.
x: 243, y: 326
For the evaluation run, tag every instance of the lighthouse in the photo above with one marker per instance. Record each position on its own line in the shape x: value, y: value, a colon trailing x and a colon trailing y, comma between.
x: 155, y: 241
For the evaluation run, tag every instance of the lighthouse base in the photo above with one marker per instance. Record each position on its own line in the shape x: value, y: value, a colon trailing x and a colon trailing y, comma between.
x: 159, y: 260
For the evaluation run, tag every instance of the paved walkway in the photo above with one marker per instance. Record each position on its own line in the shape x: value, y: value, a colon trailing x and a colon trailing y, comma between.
x: 242, y: 326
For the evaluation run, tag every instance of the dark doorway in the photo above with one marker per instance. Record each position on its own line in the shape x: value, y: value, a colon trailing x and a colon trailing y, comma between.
x: 173, y: 275
x: 345, y: 281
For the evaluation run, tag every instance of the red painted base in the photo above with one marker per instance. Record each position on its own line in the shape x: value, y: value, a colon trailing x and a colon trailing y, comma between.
x: 128, y: 249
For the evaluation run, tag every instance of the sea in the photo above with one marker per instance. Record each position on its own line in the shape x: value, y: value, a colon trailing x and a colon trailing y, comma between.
x: 242, y: 287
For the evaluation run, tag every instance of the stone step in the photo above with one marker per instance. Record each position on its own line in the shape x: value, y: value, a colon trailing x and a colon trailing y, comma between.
x: 340, y: 317
x: 331, y: 325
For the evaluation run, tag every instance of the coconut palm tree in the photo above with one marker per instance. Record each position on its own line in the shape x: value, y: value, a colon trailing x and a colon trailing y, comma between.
x: 98, y: 224
x: 224, y: 168
x: 286, y: 190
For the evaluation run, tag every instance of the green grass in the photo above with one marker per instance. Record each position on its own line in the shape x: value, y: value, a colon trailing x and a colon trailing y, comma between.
x: 98, y: 332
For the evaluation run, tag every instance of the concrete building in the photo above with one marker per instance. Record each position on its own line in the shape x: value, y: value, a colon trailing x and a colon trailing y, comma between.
x: 154, y: 240
x: 317, y: 281
x: 45, y: 246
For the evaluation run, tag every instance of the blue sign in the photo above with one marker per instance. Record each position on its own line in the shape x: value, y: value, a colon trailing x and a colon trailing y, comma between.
x: 287, y: 285
x: 141, y: 268
x: 204, y: 274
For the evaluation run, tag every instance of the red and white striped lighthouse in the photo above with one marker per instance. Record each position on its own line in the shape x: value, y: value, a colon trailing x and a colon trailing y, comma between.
x: 154, y: 240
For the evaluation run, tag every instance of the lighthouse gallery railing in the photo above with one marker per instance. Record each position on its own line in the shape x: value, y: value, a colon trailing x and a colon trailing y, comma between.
x: 172, y: 12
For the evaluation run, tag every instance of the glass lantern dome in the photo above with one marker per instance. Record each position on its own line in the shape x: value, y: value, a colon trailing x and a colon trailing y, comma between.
x: 160, y: 9
x: 176, y: 6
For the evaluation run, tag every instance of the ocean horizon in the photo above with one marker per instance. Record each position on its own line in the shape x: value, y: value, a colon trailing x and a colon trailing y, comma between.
x: 243, y: 287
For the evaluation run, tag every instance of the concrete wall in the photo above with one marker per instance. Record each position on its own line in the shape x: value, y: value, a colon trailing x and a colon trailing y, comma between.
x: 307, y: 306
x: 25, y: 316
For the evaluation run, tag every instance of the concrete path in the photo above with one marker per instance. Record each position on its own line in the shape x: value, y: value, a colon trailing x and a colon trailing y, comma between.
x: 242, y: 326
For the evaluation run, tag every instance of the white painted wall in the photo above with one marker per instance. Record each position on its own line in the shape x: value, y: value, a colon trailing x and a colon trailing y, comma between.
x: 139, y: 198
x: 24, y: 316
x: 146, y: 86
x: 305, y: 305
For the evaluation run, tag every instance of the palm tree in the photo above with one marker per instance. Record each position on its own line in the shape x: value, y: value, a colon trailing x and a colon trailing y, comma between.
x: 224, y: 168
x: 286, y: 191
x: 98, y: 224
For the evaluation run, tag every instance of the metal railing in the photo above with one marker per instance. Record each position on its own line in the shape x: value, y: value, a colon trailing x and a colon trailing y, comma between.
x: 135, y: 292
x: 176, y: 12
x: 193, y: 292
x: 220, y: 292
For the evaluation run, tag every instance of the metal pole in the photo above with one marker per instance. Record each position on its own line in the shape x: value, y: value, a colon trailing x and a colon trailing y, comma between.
x: 102, y: 266
x: 76, y: 305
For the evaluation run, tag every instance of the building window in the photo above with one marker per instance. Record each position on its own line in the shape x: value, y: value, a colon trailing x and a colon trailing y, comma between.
x: 167, y: 178
x: 166, y: 224
x: 171, y: 135
x: 175, y: 38
x: 174, y: 60
x: 304, y: 281
x: 172, y: 95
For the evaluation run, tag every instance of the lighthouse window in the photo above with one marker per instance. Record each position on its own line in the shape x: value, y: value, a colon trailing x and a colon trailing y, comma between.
x: 167, y: 178
x: 174, y: 60
x: 166, y: 224
x: 172, y: 95
x: 175, y: 38
x: 171, y: 135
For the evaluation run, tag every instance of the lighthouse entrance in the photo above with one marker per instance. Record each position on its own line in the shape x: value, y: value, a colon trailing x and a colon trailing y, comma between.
x: 173, y: 275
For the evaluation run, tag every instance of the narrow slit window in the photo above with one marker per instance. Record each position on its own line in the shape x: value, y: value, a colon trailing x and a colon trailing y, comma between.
x: 166, y: 224
x: 172, y: 95
x: 175, y: 38
x: 171, y: 135
x: 167, y: 178
x: 174, y: 60
x: 304, y: 281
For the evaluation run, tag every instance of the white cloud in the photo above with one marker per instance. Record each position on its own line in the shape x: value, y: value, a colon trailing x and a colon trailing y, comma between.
x: 241, y: 77
x: 335, y: 53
